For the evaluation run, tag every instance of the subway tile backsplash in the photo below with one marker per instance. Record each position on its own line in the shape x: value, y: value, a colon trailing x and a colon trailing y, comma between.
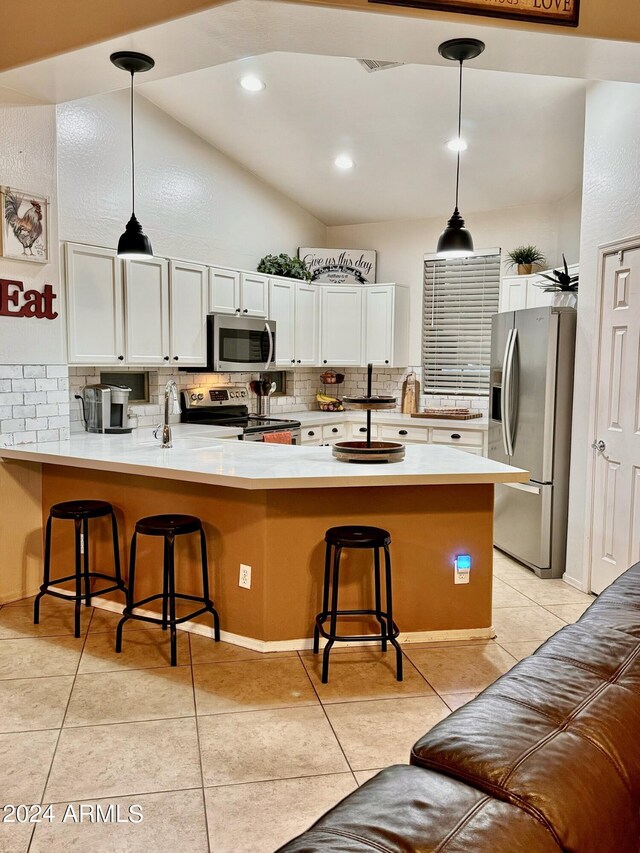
x: 302, y: 386
x: 34, y: 403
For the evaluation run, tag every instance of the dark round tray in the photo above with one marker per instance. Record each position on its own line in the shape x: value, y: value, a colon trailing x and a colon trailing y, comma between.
x: 370, y: 402
x: 377, y: 451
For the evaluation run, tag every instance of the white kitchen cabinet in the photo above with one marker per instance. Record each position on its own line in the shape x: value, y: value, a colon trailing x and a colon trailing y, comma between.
x: 282, y: 297
x: 235, y: 292
x: 294, y: 306
x: 341, y: 325
x: 307, y: 325
x: 95, y: 324
x: 224, y: 291
x: 386, y: 325
x: 254, y: 295
x: 513, y: 293
x: 527, y: 291
x: 146, y: 311
x: 188, y: 314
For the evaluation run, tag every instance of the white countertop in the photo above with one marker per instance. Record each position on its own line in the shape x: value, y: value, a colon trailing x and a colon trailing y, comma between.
x: 199, y: 455
x: 308, y: 418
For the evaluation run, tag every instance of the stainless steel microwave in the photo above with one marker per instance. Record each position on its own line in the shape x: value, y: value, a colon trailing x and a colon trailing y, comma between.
x: 240, y: 344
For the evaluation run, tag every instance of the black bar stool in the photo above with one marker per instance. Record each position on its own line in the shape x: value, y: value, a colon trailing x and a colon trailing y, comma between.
x: 168, y: 526
x: 79, y: 512
x: 354, y: 536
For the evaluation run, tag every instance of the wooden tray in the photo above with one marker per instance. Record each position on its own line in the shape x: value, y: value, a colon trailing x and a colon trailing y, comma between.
x: 468, y: 416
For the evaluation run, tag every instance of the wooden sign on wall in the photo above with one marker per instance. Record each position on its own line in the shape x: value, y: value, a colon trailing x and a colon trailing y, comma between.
x: 564, y: 13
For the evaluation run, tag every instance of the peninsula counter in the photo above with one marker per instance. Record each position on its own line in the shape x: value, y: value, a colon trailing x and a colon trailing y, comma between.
x: 268, y: 506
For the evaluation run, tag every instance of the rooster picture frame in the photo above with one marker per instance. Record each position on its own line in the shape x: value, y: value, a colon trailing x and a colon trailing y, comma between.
x: 25, y: 226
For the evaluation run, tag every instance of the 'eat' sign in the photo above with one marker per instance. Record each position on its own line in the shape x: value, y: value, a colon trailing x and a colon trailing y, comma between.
x: 15, y: 301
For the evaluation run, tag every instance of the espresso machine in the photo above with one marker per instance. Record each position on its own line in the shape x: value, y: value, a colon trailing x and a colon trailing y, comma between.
x: 104, y: 408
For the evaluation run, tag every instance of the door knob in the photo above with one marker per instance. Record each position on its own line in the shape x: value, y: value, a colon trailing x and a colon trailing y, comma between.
x: 600, y: 446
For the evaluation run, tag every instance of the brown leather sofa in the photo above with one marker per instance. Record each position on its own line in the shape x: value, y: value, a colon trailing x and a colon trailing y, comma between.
x: 545, y: 759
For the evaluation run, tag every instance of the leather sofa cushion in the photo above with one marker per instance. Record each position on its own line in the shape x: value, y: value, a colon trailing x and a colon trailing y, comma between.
x: 409, y: 810
x: 558, y: 734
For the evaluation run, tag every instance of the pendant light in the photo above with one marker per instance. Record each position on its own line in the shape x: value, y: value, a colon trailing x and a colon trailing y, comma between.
x: 133, y: 243
x: 456, y: 241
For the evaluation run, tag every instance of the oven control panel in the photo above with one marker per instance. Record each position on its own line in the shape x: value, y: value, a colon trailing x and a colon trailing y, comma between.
x: 226, y: 396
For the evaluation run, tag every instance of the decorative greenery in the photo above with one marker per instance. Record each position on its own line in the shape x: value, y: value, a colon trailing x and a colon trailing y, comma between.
x: 525, y: 255
x: 285, y: 265
x: 561, y: 280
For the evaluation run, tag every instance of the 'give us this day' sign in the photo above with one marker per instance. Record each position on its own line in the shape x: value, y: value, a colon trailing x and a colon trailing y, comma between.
x: 563, y: 13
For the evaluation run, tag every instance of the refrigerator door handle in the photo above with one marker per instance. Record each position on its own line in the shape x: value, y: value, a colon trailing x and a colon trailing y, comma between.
x: 503, y: 396
x: 508, y: 391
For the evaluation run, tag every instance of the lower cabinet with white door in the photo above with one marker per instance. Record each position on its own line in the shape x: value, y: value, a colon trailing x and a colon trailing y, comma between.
x: 469, y: 440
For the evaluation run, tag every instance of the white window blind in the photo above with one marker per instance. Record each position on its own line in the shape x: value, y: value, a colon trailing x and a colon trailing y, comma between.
x: 460, y: 297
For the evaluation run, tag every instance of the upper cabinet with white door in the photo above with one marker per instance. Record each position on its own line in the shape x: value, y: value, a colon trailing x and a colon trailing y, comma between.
x: 235, y: 292
x: 527, y: 291
x: 188, y: 314
x: 294, y: 306
x: 386, y: 325
x: 94, y: 305
x: 146, y: 304
x: 341, y: 325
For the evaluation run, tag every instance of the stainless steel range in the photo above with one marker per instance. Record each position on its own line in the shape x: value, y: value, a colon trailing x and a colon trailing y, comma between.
x: 228, y: 407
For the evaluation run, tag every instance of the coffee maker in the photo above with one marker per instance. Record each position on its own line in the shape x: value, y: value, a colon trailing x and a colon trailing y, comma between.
x: 104, y: 408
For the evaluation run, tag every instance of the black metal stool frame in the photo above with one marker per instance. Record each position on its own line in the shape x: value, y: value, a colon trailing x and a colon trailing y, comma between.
x: 168, y: 594
x: 82, y: 572
x: 389, y: 629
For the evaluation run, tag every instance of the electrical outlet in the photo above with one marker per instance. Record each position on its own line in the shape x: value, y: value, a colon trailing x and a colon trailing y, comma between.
x: 461, y: 577
x: 462, y: 568
x: 245, y: 576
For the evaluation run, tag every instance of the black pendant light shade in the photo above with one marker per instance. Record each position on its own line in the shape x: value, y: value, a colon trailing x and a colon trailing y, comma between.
x: 456, y: 241
x: 133, y: 243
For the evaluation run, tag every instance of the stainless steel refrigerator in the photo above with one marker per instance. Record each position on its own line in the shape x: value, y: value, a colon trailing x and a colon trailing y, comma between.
x: 532, y: 363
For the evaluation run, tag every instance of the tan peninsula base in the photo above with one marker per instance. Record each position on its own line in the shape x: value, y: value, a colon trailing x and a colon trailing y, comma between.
x: 280, y: 534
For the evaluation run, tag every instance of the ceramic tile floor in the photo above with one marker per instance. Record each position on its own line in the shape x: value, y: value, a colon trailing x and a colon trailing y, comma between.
x: 231, y: 751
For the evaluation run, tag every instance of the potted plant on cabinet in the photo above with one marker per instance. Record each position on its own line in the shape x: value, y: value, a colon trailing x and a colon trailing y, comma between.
x: 285, y: 265
x: 563, y: 285
x: 525, y: 258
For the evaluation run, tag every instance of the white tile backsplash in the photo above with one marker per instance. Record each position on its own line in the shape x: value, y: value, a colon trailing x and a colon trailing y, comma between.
x: 30, y: 412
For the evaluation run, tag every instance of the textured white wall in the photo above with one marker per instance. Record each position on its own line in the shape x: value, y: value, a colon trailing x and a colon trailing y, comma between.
x: 192, y: 201
x: 402, y: 245
x: 611, y: 211
x: 28, y: 162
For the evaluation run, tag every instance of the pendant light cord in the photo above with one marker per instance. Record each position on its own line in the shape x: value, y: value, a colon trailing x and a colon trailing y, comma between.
x: 459, y: 135
x: 133, y: 159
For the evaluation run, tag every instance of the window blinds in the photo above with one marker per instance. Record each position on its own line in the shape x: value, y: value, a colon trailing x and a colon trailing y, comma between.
x: 460, y: 297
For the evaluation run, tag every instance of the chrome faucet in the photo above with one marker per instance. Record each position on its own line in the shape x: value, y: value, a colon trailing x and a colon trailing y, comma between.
x: 171, y: 407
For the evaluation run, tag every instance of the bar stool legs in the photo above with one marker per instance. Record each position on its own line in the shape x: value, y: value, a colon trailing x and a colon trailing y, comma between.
x: 356, y: 537
x: 168, y: 527
x: 79, y: 512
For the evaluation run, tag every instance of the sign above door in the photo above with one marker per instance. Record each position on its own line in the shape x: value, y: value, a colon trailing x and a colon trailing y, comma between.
x: 563, y: 13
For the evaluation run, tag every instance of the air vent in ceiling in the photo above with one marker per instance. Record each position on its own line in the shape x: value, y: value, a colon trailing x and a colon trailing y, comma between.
x: 372, y: 65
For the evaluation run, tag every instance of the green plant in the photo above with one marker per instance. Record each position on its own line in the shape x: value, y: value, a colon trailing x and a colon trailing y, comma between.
x: 561, y: 280
x: 525, y: 255
x: 285, y: 265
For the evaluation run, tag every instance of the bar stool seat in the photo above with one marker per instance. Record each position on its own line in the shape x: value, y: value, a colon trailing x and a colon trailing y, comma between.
x: 80, y: 512
x: 356, y: 537
x: 168, y: 526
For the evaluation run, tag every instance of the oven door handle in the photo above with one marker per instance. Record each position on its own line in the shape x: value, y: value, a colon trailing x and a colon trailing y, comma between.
x: 270, y: 357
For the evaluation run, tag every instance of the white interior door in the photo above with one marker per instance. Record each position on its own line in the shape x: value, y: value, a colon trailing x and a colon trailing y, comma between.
x: 616, y: 504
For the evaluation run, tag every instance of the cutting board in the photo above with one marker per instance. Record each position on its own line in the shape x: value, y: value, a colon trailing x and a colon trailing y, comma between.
x: 469, y: 416
x: 407, y: 385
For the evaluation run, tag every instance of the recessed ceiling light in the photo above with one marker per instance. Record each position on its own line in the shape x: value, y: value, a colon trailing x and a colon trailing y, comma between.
x: 252, y: 83
x: 343, y: 161
x: 457, y: 144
